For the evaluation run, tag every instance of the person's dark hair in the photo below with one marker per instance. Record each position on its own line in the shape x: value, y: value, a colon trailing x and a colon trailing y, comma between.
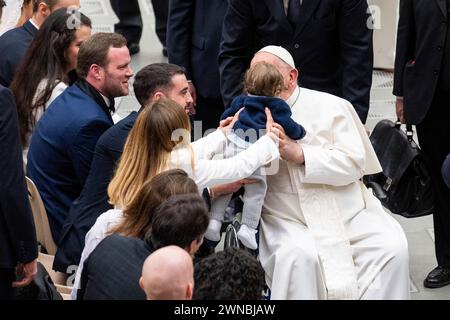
x: 50, y: 4
x: 95, y: 51
x: 138, y: 215
x: 2, y: 4
x: 45, y: 59
x: 154, y: 77
x: 179, y: 221
x: 232, y: 274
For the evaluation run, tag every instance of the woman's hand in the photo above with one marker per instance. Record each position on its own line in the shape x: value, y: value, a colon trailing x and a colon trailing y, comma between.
x: 227, y: 124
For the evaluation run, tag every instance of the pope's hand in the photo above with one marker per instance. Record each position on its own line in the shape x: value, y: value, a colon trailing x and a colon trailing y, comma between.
x: 290, y: 150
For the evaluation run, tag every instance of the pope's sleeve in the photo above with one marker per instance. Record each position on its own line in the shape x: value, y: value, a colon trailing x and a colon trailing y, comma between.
x: 341, y: 160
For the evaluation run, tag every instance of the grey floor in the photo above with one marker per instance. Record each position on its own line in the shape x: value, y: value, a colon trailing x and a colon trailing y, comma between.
x: 419, y: 231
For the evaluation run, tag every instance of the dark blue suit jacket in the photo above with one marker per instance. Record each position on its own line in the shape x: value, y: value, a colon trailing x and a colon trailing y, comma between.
x: 331, y: 45
x: 93, y: 200
x: 193, y: 40
x: 13, y: 46
x: 113, y: 269
x: 62, y: 148
x: 17, y: 233
x: 421, y: 58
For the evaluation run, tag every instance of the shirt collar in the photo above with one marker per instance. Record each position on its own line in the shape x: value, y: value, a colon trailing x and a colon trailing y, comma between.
x: 107, y: 100
x: 294, y: 97
x: 286, y: 5
x: 33, y: 23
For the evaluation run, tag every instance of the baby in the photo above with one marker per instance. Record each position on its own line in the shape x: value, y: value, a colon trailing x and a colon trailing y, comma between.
x: 263, y: 85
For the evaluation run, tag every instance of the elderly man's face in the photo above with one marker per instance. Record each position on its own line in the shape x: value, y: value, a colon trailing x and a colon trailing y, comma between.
x: 282, y: 67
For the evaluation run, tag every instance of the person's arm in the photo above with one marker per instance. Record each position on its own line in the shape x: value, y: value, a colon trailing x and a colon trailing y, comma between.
x: 235, y: 53
x: 404, y: 52
x: 14, y: 205
x: 80, y: 289
x: 179, y: 33
x: 282, y: 114
x: 95, y: 235
x: 214, y: 143
x: 356, y: 52
x: 82, y: 149
x: 338, y: 163
x: 179, y: 40
x: 214, y: 172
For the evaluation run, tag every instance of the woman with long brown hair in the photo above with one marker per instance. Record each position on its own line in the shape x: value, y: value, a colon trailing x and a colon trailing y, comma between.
x: 46, y: 69
x: 160, y: 140
x: 135, y: 221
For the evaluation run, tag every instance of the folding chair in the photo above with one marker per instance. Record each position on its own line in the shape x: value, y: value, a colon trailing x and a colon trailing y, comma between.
x: 58, y: 278
x: 43, y: 232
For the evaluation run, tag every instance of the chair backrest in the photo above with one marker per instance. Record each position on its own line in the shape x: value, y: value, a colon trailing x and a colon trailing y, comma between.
x: 58, y: 278
x: 65, y: 296
x: 43, y: 232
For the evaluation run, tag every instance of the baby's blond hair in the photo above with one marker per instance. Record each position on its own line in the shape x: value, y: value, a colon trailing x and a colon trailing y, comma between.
x: 263, y: 79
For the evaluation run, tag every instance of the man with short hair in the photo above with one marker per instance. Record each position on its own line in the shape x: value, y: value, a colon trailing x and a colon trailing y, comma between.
x: 63, y: 143
x: 15, y: 42
x: 232, y: 274
x: 114, y: 268
x: 168, y: 274
x: 153, y: 82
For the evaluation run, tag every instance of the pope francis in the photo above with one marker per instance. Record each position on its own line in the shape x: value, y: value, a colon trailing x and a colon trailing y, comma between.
x: 323, y: 235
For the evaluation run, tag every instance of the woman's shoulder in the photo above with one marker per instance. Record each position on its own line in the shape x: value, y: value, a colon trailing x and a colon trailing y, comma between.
x: 60, y: 86
x: 108, y: 218
x: 110, y: 214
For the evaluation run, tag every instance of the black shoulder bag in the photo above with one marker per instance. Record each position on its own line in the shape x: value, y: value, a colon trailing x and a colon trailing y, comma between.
x: 404, y: 187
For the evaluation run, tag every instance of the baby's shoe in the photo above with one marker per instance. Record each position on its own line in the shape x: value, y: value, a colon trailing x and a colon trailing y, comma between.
x: 213, y: 231
x: 248, y: 237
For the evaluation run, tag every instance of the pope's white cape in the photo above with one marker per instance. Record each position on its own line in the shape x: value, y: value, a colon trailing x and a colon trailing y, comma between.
x: 319, y: 221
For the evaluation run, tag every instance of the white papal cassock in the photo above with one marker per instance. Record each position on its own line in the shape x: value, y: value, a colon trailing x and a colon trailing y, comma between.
x: 323, y: 235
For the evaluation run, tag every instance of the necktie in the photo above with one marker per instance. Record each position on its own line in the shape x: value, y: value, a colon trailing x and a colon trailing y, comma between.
x: 293, y: 12
x: 111, y: 106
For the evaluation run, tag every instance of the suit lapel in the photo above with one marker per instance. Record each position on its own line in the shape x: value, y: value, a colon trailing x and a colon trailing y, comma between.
x: 443, y: 5
x: 276, y: 8
x: 308, y: 7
